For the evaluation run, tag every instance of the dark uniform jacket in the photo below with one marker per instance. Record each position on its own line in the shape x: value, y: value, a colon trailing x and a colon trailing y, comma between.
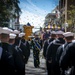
x: 7, y: 61
x: 51, y: 55
x: 26, y: 49
x: 59, y: 53
x: 60, y: 50
x: 18, y: 61
x: 39, y: 42
x: 26, y: 43
x: 52, y: 49
x: 37, y: 46
x: 46, y: 43
x: 22, y: 49
x: 67, y: 59
x: 21, y: 56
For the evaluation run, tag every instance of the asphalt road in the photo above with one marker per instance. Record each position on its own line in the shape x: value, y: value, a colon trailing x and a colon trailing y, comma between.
x: 31, y: 70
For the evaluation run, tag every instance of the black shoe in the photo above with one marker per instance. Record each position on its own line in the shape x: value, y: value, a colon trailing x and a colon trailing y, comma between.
x: 36, y: 66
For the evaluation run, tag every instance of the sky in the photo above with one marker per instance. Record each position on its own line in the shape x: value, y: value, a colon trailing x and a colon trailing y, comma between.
x: 34, y: 11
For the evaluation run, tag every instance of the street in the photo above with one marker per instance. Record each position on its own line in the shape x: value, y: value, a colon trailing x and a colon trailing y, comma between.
x: 31, y: 70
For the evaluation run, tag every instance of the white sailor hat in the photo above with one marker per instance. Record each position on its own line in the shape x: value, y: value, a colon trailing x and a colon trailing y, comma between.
x: 59, y: 32
x: 73, y: 40
x: 5, y: 27
x: 5, y: 30
x: 53, y: 32
x: 21, y: 34
x: 0, y: 30
x: 12, y: 36
x: 8, y: 29
x: 67, y: 34
x: 16, y: 31
x: 11, y: 30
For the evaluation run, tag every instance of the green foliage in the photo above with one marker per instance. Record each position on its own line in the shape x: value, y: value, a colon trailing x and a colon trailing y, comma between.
x: 6, y: 8
x: 71, y: 17
x: 71, y: 12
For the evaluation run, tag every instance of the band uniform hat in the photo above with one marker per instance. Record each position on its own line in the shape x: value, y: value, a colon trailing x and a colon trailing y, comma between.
x: 67, y: 34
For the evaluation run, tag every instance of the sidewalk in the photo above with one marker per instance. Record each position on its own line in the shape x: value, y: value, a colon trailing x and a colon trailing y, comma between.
x: 31, y: 70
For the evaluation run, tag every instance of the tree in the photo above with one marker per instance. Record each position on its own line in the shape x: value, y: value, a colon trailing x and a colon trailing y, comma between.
x: 71, y: 18
x: 71, y: 14
x: 6, y: 8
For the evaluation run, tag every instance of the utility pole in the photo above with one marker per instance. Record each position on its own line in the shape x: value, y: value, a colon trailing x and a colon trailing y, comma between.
x: 65, y: 14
